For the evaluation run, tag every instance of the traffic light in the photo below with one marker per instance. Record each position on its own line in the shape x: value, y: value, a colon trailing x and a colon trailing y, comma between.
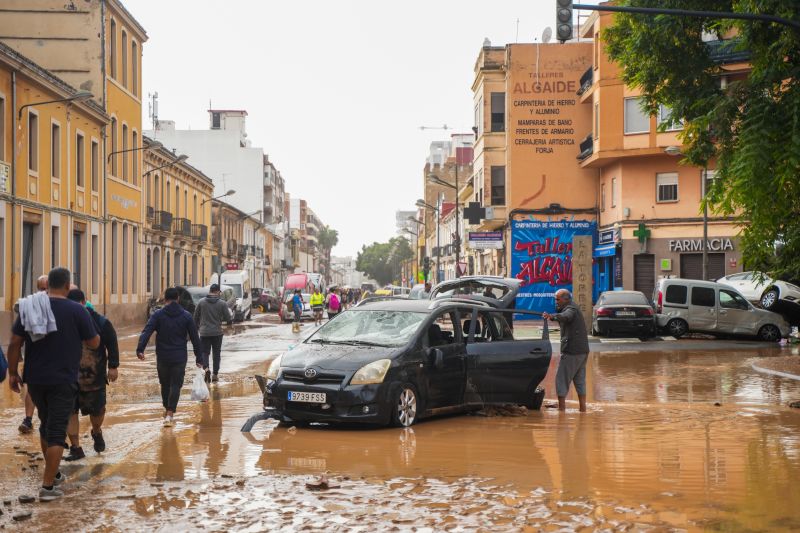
x: 564, y: 20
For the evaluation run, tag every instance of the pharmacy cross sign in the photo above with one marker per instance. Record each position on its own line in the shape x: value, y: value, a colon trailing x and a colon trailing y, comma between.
x: 642, y: 233
x: 474, y: 213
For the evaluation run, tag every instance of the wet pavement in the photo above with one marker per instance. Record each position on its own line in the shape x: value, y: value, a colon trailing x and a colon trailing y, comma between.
x: 677, y: 437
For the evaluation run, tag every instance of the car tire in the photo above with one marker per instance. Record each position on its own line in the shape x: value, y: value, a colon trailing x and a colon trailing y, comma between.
x: 677, y: 327
x: 595, y: 333
x: 769, y: 299
x: 769, y: 333
x: 405, y: 406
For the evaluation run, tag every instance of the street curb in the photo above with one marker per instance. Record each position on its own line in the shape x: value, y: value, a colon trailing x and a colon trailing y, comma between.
x: 775, y: 372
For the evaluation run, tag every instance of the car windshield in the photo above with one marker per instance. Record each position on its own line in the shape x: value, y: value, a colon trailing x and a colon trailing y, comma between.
x: 237, y: 290
x: 370, y: 327
x: 624, y: 298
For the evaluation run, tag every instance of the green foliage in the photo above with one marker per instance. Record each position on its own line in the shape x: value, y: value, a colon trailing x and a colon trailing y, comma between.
x: 382, y: 261
x: 751, y: 127
x: 326, y: 240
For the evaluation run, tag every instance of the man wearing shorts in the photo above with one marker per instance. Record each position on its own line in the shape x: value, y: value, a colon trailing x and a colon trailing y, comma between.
x: 98, y: 367
x: 574, y: 349
x: 51, y: 372
x: 317, y: 305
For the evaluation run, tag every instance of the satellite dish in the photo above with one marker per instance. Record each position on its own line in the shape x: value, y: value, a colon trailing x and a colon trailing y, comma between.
x: 547, y: 34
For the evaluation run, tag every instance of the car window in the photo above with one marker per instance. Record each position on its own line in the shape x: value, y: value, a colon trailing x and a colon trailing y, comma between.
x: 703, y: 296
x: 731, y: 300
x: 442, y: 331
x: 630, y: 298
x: 738, y: 277
x: 676, y: 294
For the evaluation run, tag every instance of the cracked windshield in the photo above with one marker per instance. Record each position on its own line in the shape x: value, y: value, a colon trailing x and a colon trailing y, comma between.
x: 436, y: 266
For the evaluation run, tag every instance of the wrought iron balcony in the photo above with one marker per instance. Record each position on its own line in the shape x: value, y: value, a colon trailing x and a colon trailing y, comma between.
x: 586, y: 80
x: 151, y: 212
x: 586, y: 148
x: 200, y: 232
x: 162, y: 221
x: 232, y: 247
x: 182, y: 227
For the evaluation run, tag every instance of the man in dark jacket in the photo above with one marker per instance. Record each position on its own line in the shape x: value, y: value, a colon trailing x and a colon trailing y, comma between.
x: 574, y: 349
x: 172, y: 325
x: 209, y: 315
x: 98, y: 367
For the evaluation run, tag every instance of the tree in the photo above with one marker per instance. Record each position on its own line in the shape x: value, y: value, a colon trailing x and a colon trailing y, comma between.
x: 382, y: 261
x: 327, y: 239
x: 751, y: 127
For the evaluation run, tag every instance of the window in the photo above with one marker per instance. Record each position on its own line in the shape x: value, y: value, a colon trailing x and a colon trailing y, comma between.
x: 95, y: 263
x: 177, y: 200
x: 55, y: 150
x: 95, y: 161
x: 731, y: 300
x: 499, y: 185
x: 114, y: 255
x: 478, y: 128
x: 613, y: 192
x: 33, y: 142
x: 596, y: 120
x: 148, y: 266
x: 636, y: 120
x: 114, y: 146
x: 125, y: 259
x: 124, y: 59
x: 710, y: 176
x: 80, y: 161
x: 55, y: 256
x: 134, y: 68
x: 125, y: 152
x: 135, y: 262
x: 113, y: 52
x: 2, y: 128
x: 596, y: 50
x: 676, y: 294
x: 667, y: 187
x: 665, y: 117
x: 215, y: 121
x: 602, y: 197
x: 167, y: 207
x: 135, y: 157
x: 185, y: 203
x: 498, y: 111
x: 703, y: 296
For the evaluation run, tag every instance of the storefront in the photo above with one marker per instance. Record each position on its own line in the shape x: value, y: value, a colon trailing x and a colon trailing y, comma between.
x: 607, y: 267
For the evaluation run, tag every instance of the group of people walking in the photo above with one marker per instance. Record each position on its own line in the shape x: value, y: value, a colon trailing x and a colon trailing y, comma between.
x: 71, y: 354
x: 334, y: 301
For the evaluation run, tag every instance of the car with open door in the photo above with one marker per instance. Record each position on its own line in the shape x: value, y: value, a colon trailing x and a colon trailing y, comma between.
x: 496, y: 291
x: 398, y: 361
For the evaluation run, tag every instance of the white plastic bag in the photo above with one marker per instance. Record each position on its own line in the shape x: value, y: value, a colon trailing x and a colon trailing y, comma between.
x: 199, y: 387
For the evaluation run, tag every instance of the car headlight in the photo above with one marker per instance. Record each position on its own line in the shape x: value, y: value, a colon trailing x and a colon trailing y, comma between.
x: 274, y: 368
x: 372, y: 373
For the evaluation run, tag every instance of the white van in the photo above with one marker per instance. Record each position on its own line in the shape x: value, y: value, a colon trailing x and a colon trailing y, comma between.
x: 239, y: 281
x: 689, y: 305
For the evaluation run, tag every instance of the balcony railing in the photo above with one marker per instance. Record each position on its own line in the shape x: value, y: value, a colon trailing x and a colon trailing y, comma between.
x: 232, y: 247
x: 586, y: 80
x: 586, y: 148
x: 200, y: 232
x: 162, y: 221
x: 151, y: 212
x: 182, y: 227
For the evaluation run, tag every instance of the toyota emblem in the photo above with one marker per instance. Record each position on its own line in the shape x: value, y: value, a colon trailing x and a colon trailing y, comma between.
x: 310, y: 373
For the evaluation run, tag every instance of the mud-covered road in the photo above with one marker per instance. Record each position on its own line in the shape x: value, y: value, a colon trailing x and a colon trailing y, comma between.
x: 675, y: 439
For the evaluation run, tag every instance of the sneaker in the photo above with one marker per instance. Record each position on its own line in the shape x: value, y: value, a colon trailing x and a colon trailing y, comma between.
x: 59, y: 479
x: 99, y: 442
x: 214, y: 378
x: 168, y: 422
x: 26, y: 426
x: 208, y: 376
x: 75, y: 453
x: 48, y: 495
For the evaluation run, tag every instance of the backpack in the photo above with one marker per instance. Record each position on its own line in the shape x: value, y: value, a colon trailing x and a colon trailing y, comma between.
x: 3, y: 365
x: 333, y: 303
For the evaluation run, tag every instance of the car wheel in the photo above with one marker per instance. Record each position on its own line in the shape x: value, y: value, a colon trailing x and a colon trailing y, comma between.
x: 595, y: 333
x: 769, y: 333
x: 404, y: 407
x: 677, y: 327
x: 769, y: 299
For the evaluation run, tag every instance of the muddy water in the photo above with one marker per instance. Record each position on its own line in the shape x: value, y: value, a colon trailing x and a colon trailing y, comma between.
x: 653, y: 452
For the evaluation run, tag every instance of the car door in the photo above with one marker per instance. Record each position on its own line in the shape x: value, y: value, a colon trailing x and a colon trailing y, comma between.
x: 445, y: 365
x: 703, y: 309
x: 736, y: 315
x: 501, y: 369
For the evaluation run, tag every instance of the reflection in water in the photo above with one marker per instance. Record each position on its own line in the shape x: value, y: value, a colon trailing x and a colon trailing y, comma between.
x: 170, y: 464
x: 573, y: 454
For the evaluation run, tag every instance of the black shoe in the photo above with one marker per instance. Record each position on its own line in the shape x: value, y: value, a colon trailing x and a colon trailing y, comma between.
x: 214, y: 378
x: 26, y: 426
x: 99, y: 442
x: 208, y: 376
x: 75, y: 453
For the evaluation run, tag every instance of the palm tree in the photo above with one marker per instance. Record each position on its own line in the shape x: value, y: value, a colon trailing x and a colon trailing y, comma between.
x: 327, y: 239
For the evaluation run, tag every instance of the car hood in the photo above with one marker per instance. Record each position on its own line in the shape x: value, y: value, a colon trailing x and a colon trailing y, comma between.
x: 770, y: 316
x: 335, y: 356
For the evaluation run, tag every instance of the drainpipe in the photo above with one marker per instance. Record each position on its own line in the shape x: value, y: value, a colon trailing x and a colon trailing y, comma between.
x: 104, y: 213
x: 11, y: 292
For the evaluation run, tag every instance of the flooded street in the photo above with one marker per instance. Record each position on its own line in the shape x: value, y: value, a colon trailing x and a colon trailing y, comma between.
x: 674, y: 440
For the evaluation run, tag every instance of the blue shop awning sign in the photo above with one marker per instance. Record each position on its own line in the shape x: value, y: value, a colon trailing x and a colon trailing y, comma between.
x: 606, y: 250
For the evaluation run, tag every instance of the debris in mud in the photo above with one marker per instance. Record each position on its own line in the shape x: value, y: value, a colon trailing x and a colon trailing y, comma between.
x: 503, y: 410
x: 19, y: 517
x: 240, y: 483
x: 321, y: 483
x: 795, y: 404
x: 292, y: 430
x: 26, y: 499
x: 551, y: 405
x: 21, y: 452
x: 126, y: 496
x: 717, y: 404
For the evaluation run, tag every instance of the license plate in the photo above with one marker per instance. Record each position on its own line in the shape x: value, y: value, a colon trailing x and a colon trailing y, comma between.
x: 626, y: 313
x: 309, y: 397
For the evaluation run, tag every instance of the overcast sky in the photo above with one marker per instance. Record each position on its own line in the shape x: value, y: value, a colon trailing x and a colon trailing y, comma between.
x: 336, y: 90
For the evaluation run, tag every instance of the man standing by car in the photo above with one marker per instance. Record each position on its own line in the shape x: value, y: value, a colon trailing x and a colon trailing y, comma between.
x: 172, y: 325
x: 209, y: 315
x: 574, y: 349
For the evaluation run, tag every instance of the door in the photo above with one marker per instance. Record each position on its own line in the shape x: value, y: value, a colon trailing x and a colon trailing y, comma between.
x: 27, y: 259
x: 644, y: 273
x: 499, y: 368
x: 77, y: 265
x: 703, y: 309
x: 445, y: 378
x: 736, y: 315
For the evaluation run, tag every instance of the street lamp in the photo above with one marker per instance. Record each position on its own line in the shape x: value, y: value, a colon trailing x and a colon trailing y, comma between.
x: 439, y: 181
x: 180, y: 159
x: 155, y: 145
x: 423, y: 205
x: 229, y: 193
x: 676, y: 151
x: 79, y: 96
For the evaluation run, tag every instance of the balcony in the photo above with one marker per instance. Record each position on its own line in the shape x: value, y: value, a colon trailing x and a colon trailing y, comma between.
x: 199, y: 232
x: 259, y: 252
x: 182, y: 227
x: 151, y: 212
x: 241, y: 253
x: 586, y: 148
x: 586, y: 80
x: 232, y: 247
x: 269, y: 181
x: 162, y: 221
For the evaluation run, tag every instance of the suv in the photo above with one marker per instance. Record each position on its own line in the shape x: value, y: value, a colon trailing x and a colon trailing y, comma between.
x: 772, y: 294
x: 688, y: 305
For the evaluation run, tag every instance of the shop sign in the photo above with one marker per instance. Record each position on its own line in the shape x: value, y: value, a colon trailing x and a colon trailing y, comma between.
x: 231, y: 266
x: 481, y: 240
x: 605, y: 236
x: 696, y: 245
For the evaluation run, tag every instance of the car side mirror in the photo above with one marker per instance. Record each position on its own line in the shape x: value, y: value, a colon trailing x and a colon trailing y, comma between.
x: 436, y: 357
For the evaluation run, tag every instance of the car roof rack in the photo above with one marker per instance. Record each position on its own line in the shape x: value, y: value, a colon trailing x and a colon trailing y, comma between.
x: 438, y: 302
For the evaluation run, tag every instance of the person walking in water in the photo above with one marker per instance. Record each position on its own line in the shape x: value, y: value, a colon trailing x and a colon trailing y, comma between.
x: 27, y: 423
x: 574, y: 349
x: 297, y: 309
x: 209, y: 315
x: 172, y: 326
x: 317, y: 304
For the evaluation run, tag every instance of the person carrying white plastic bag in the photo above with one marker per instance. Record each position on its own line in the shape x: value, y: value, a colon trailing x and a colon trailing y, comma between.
x: 199, y: 387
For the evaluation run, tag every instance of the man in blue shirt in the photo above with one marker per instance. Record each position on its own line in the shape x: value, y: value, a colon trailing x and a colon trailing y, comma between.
x: 51, y: 373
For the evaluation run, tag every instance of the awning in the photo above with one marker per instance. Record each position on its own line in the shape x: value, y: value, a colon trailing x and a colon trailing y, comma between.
x: 607, y: 250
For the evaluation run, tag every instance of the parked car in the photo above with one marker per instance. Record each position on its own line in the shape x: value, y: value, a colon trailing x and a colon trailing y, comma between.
x: 397, y: 361
x: 393, y: 290
x: 287, y: 314
x: 688, y: 305
x: 623, y: 312
x: 239, y: 281
x: 190, y: 295
x: 771, y: 294
x: 266, y: 300
x: 418, y: 292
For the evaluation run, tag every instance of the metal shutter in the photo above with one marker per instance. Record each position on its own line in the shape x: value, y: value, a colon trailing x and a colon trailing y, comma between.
x: 716, y: 266
x: 692, y: 266
x: 644, y: 273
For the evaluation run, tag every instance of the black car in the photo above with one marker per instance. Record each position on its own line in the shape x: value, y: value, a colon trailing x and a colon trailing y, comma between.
x: 623, y: 312
x: 396, y: 361
x: 496, y: 291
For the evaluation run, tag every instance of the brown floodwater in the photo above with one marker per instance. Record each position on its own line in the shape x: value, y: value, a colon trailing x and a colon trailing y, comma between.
x: 680, y: 440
